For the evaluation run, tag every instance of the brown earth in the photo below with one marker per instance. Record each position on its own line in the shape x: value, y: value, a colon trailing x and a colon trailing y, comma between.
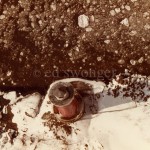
x: 41, y: 41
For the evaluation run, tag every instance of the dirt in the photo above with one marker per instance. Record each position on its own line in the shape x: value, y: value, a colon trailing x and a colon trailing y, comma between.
x: 41, y: 41
x: 6, y: 123
x: 56, y: 126
x: 134, y: 88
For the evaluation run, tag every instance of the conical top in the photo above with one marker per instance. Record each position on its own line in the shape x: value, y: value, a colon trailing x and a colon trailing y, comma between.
x: 61, y: 93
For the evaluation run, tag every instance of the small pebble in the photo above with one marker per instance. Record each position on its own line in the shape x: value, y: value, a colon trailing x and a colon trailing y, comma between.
x: 40, y: 22
x: 117, y: 10
x: 21, y: 53
x: 88, y: 29
x: 53, y: 7
x: 133, y: 62
x: 127, y: 8
x: 92, y: 18
x: 146, y: 14
x: 83, y: 21
x: 88, y: 1
x: 132, y: 33
x: 77, y: 49
x: 83, y: 60
x: 9, y: 73
x: 32, y: 25
x: 125, y: 22
x: 121, y: 61
x: 133, y: 0
x: 112, y: 12
x: 99, y: 58
x: 141, y: 60
x: 122, y: 7
x: 107, y: 41
x: 2, y: 16
x: 4, y: 12
x: 147, y: 27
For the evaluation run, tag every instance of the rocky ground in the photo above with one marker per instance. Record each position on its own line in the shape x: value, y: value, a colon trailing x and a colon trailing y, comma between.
x: 41, y: 41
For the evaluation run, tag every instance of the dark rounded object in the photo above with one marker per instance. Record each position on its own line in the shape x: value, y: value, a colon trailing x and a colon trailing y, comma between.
x: 61, y: 93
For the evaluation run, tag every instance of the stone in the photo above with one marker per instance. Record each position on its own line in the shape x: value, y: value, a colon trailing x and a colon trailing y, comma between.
x: 121, y: 61
x: 2, y: 16
x: 112, y: 12
x: 133, y: 62
x: 83, y: 21
x: 125, y: 22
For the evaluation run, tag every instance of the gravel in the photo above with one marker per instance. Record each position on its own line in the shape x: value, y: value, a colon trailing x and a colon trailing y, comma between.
x: 38, y: 39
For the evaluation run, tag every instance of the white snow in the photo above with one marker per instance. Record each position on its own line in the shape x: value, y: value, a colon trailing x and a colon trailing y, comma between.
x: 121, y: 124
x: 12, y: 96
